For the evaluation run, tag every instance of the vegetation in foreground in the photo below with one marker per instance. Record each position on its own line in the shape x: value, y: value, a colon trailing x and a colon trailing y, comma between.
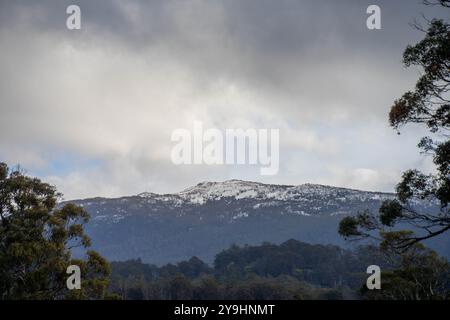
x: 36, y: 239
x: 291, y: 270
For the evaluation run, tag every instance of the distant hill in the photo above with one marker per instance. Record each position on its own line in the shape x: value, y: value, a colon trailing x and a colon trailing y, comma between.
x: 207, y: 218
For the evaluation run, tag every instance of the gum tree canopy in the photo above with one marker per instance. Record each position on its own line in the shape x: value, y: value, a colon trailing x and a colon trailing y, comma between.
x: 36, y: 238
x: 427, y: 105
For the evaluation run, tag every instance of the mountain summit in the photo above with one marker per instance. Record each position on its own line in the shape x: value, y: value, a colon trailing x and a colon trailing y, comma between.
x: 205, y: 192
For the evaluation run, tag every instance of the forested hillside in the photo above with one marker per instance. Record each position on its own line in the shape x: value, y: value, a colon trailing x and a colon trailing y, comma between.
x: 292, y: 270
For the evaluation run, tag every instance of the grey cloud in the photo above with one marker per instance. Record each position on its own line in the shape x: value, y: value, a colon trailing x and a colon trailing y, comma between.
x: 139, y: 69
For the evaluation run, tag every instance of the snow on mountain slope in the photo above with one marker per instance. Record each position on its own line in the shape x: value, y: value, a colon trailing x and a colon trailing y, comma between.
x: 210, y: 216
x: 238, y: 189
x: 237, y: 199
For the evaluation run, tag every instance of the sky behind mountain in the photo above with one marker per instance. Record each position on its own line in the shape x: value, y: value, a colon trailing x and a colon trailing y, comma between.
x: 92, y: 110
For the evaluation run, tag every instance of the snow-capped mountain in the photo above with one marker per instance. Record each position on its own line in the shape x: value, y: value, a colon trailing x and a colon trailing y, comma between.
x: 204, y: 219
x: 238, y: 189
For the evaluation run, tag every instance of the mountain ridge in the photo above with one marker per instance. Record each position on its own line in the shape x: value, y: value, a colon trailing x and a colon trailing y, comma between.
x: 206, y: 218
x: 149, y: 193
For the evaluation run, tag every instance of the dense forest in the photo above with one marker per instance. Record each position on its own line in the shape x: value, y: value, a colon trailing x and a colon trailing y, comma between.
x: 291, y: 270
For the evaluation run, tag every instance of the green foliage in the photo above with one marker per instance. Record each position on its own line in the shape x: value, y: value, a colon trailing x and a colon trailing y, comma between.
x: 428, y: 105
x: 390, y: 212
x: 348, y: 227
x: 207, y: 288
x: 95, y: 281
x: 420, y: 275
x: 35, y: 242
x: 180, y: 288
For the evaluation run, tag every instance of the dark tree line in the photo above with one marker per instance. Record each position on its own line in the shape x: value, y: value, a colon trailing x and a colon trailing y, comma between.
x: 291, y: 270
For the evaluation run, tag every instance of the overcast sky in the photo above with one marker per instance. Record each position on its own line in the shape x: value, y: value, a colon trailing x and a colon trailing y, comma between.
x: 92, y: 110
